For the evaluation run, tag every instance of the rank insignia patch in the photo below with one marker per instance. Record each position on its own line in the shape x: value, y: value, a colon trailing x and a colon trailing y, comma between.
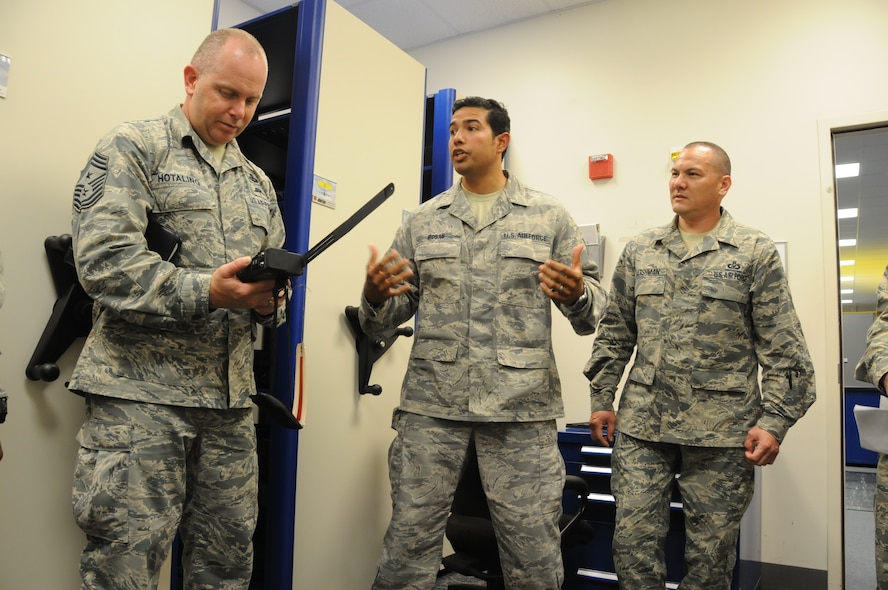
x: 92, y: 182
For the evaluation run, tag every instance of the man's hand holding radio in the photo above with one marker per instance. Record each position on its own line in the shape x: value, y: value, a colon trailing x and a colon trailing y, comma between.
x: 227, y: 291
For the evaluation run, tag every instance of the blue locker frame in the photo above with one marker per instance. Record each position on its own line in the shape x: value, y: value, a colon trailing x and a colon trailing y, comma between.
x: 437, y: 171
x: 300, y: 180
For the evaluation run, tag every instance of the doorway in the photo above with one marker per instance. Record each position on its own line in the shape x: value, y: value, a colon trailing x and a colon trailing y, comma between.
x: 860, y: 160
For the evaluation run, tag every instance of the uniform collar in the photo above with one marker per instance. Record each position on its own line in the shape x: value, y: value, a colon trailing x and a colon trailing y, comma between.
x: 183, y: 130
x: 724, y: 231
x: 513, y: 192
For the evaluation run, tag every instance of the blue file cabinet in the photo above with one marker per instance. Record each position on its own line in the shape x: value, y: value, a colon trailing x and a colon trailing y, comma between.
x: 590, y: 566
x: 855, y: 454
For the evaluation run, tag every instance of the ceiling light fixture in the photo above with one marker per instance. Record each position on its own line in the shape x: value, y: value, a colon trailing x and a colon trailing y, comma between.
x: 847, y: 242
x: 846, y: 263
x: 847, y: 213
x: 847, y: 170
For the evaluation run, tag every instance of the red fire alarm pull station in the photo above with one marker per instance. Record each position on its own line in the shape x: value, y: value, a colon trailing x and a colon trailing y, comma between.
x: 601, y: 166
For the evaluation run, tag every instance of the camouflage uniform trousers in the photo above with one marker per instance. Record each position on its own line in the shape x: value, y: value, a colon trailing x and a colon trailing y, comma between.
x: 523, y: 476
x: 880, y: 512
x: 716, y: 488
x: 144, y: 470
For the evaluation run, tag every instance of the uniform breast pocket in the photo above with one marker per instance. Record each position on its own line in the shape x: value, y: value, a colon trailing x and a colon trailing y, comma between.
x: 726, y: 297
x: 724, y: 308
x: 438, y: 266
x: 519, y: 266
x: 184, y: 206
x: 655, y: 285
x: 260, y: 217
x: 725, y: 290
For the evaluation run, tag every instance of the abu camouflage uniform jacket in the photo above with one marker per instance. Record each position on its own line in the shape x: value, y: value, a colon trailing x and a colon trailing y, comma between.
x: 154, y: 337
x: 483, y: 349
x: 704, y: 322
x: 874, y: 363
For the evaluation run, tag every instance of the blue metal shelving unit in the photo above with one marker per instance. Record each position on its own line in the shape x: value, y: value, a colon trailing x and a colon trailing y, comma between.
x: 437, y: 173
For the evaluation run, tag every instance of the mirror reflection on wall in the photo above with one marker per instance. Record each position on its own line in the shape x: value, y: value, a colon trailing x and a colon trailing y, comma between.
x: 861, y: 172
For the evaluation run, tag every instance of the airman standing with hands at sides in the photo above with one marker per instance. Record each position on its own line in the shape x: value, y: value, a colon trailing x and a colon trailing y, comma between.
x: 704, y: 303
x: 480, y: 265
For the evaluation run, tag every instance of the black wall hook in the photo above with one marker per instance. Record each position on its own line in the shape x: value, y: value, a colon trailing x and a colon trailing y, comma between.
x: 71, y: 316
x: 370, y: 347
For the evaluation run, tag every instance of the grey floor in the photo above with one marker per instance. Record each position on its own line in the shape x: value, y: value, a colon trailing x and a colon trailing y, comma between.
x: 859, y: 529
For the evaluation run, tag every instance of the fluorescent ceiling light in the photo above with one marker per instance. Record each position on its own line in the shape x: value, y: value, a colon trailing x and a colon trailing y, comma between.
x: 847, y: 291
x: 843, y: 279
x: 847, y: 213
x: 847, y: 242
x: 846, y: 263
x: 847, y: 301
x: 847, y: 170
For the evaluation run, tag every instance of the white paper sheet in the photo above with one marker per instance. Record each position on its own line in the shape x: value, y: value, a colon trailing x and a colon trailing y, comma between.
x: 872, y: 425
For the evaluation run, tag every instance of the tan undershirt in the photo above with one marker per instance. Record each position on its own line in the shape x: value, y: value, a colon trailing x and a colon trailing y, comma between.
x: 481, y: 204
x: 218, y: 152
x: 692, y: 239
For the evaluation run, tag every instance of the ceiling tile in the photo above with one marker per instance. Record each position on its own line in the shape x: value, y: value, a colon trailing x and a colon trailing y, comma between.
x: 415, y: 23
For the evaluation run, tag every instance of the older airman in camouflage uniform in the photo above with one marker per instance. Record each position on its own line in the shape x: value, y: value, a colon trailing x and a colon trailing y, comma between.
x: 481, y: 281
x: 873, y: 367
x: 704, y: 303
x: 169, y: 441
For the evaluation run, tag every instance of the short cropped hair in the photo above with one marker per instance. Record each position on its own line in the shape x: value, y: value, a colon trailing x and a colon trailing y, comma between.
x: 207, y: 54
x: 722, y: 161
x: 497, y: 115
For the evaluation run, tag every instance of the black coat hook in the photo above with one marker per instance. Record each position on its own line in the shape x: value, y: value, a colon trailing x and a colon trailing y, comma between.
x: 370, y: 347
x: 71, y: 316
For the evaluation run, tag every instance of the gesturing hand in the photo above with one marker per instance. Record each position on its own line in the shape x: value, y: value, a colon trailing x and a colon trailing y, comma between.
x: 386, y: 277
x: 562, y: 283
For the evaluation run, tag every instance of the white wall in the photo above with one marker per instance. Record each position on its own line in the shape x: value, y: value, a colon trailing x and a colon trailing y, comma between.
x: 76, y: 72
x: 758, y: 77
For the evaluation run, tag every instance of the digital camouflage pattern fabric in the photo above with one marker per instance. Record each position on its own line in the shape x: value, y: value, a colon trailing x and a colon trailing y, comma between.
x: 129, y: 520
x: 482, y: 350
x: 425, y: 460
x: 154, y: 338
x: 704, y: 322
x: 481, y: 366
x: 169, y: 441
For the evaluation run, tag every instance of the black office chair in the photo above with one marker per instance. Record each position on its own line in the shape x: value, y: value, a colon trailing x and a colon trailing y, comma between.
x: 470, y: 530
